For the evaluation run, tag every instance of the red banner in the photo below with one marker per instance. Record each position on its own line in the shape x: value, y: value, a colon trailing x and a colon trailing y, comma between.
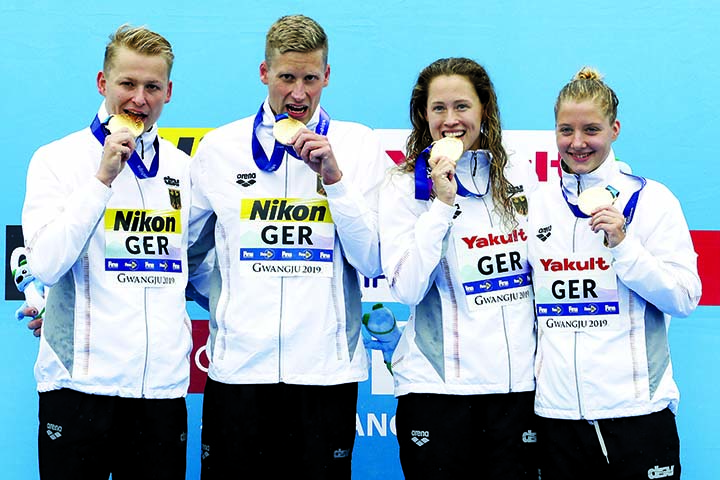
x: 198, y: 359
x: 707, y: 246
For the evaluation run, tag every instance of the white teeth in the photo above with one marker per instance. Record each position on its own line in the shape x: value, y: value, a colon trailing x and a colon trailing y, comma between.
x: 453, y: 134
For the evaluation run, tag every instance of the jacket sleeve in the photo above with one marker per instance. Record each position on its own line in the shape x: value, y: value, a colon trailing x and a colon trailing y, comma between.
x: 660, y: 264
x: 412, y: 238
x: 201, y: 237
x: 353, y: 202
x: 57, y: 218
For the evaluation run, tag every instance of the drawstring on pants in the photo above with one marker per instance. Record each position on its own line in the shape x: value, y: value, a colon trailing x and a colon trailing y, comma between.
x: 600, y: 438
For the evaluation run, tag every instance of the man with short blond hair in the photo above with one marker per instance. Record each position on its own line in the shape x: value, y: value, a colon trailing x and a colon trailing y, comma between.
x: 292, y: 225
x: 105, y: 223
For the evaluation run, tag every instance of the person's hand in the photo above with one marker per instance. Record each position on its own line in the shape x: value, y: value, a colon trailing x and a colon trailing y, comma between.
x: 443, y: 177
x: 34, y: 322
x: 609, y: 220
x: 117, y: 150
x: 316, y: 152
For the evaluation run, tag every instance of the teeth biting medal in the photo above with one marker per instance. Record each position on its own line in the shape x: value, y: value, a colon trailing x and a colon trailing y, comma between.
x: 450, y: 147
x: 118, y: 122
x: 285, y: 129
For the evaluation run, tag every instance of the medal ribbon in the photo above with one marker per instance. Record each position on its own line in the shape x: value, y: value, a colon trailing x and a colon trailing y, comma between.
x: 628, y: 211
x: 134, y: 162
x: 423, y: 182
x: 275, y: 160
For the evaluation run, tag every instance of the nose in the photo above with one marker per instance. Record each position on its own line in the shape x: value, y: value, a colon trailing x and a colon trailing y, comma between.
x: 451, y: 118
x: 298, y: 92
x: 138, y: 97
x: 578, y: 140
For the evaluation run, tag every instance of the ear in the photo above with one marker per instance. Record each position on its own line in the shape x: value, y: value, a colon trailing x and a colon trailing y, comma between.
x: 616, y: 129
x: 264, y: 72
x: 101, y: 83
x: 169, y: 91
x: 327, y: 76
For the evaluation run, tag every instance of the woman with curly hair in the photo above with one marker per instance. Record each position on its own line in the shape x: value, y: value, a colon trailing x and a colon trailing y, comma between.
x: 453, y: 247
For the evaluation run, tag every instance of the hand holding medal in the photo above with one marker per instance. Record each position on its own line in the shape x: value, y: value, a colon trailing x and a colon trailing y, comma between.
x: 311, y: 147
x: 593, y: 198
x: 598, y: 203
x: 443, y: 158
x: 119, y: 145
x: 449, y: 147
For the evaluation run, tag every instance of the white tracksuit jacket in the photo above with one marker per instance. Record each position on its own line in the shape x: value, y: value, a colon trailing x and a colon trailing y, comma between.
x: 446, y: 347
x: 270, y: 328
x: 104, y: 332
x: 601, y: 372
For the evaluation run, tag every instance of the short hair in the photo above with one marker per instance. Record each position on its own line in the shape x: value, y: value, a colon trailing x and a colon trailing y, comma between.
x: 491, y: 131
x: 295, y: 33
x: 587, y: 84
x: 140, y: 40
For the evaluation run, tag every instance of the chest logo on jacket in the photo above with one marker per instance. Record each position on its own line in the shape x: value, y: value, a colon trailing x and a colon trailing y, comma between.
x: 246, y: 179
x: 544, y: 232
x: 171, y: 182
x: 519, y: 200
x: 175, y: 198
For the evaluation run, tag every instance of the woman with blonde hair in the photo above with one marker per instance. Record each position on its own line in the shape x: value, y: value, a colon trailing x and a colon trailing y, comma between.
x: 615, y: 264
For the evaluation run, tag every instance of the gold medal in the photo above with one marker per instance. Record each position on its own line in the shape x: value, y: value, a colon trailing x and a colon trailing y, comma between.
x: 118, y: 122
x: 284, y: 130
x: 450, y: 147
x: 592, y: 198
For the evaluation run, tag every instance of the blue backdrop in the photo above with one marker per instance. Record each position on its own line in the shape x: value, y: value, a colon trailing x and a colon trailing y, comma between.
x: 660, y: 57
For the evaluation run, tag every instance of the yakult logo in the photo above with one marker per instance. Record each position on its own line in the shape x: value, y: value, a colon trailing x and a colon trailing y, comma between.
x: 565, y: 264
x: 517, y: 235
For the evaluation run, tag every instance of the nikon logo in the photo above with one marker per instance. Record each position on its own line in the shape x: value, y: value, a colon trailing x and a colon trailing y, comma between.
x: 142, y: 221
x: 284, y: 210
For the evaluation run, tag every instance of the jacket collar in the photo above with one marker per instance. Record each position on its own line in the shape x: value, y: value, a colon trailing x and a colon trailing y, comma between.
x: 573, y: 183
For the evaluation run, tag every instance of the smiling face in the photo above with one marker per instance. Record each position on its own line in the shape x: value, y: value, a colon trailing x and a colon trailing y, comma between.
x: 584, y: 135
x: 136, y: 84
x: 454, y: 110
x: 295, y: 81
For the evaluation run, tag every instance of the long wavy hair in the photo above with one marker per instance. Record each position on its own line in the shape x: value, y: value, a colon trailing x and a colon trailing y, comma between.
x: 490, y: 136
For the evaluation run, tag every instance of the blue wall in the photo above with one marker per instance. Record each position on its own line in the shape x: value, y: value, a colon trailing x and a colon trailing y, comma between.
x: 661, y: 58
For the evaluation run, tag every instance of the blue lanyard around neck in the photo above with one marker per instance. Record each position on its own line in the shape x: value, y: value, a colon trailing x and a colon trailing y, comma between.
x: 423, y: 182
x: 273, y: 163
x: 628, y: 211
x: 134, y: 162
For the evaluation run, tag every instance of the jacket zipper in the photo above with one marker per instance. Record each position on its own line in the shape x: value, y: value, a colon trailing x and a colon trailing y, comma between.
x: 502, y: 309
x: 576, y: 334
x: 282, y: 286
x: 147, y: 327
